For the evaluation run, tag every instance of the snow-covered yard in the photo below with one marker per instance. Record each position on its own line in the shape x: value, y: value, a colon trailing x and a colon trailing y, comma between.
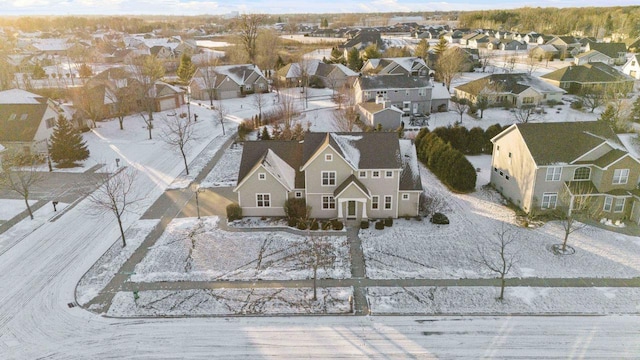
x: 419, y: 249
x: 225, y: 173
x: 517, y: 300
x: 232, y: 302
x: 193, y: 250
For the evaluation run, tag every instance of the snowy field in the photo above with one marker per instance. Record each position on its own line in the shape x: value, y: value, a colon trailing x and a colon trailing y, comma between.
x: 106, y: 267
x: 193, y: 250
x: 419, y: 249
x: 10, y: 208
x: 22, y: 229
x: 517, y: 300
x: 232, y: 302
x: 225, y: 173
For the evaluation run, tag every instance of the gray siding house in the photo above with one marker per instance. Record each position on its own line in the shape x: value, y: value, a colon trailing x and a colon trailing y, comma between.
x: 340, y: 175
x: 412, y: 95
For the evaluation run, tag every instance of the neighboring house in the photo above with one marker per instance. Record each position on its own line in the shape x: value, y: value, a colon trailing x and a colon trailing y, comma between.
x: 378, y: 113
x: 574, y: 78
x: 632, y: 67
x: 362, y: 39
x: 332, y: 76
x: 615, y: 51
x: 412, y: 95
x: 592, y: 56
x: 407, y: 66
x: 544, y: 52
x: 26, y: 121
x: 567, y: 45
x: 167, y: 97
x: 634, y: 46
x: 371, y: 175
x: 512, y: 45
x: 453, y: 37
x: 540, y: 166
x: 514, y: 89
x: 226, y: 82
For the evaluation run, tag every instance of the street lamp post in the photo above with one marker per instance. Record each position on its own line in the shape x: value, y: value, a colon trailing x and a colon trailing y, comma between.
x: 196, y: 190
x: 189, y: 102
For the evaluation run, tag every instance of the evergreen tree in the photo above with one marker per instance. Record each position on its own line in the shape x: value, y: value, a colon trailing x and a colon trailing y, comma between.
x: 38, y: 72
x: 372, y: 52
x: 265, y: 134
x: 66, y: 146
x: 422, y: 49
x: 279, y: 62
x: 85, y: 71
x: 441, y: 46
x: 475, y: 141
x: 324, y: 23
x: 186, y: 69
x: 609, y: 116
x: 354, y: 62
x: 337, y: 56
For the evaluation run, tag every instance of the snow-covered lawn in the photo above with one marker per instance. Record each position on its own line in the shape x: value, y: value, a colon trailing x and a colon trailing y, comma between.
x: 232, y: 302
x: 10, y: 208
x: 197, y: 250
x: 110, y: 262
x: 419, y: 249
x: 26, y: 226
x: 225, y: 173
x: 517, y: 300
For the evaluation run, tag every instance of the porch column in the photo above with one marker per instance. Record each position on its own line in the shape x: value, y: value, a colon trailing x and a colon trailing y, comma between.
x: 340, y: 202
x: 364, y: 208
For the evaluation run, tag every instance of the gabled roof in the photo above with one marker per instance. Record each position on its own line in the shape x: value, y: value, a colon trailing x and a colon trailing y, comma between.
x: 591, y: 53
x: 351, y: 180
x: 587, y: 73
x: 237, y: 73
x: 507, y: 83
x: 563, y: 142
x: 289, y: 152
x: 392, y: 82
x: 610, y: 49
x: 20, y: 114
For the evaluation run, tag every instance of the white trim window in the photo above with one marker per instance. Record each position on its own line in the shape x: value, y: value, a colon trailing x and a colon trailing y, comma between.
x: 298, y: 194
x: 262, y: 176
x: 328, y: 202
x: 328, y: 157
x: 608, y: 202
x: 619, y: 205
x: 263, y: 200
x: 388, y: 202
x: 582, y: 173
x: 362, y: 174
x: 388, y: 174
x: 375, y: 202
x: 328, y: 178
x: 375, y: 174
x: 620, y: 176
x: 549, y: 200
x: 553, y: 173
x: 405, y: 196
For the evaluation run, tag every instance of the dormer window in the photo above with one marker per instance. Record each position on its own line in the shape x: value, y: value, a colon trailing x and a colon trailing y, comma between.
x: 262, y: 176
x: 582, y: 173
x: 328, y: 157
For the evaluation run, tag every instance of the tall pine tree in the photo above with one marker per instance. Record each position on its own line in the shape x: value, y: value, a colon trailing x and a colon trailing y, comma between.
x: 66, y: 145
x: 186, y: 69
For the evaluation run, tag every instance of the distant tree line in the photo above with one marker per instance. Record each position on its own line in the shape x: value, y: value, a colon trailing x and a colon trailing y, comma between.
x: 592, y: 21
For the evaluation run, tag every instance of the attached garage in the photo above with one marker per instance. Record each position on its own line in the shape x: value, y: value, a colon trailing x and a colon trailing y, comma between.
x: 168, y: 104
x: 229, y: 94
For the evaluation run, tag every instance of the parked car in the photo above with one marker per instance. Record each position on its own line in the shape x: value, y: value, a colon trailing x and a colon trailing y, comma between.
x: 440, y: 219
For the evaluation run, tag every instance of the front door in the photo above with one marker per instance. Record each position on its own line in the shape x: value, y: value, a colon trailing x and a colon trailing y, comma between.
x: 351, y: 209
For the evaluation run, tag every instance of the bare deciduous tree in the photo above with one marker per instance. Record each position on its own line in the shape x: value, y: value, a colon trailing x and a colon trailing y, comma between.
x: 178, y: 133
x: 431, y: 204
x: 20, y: 180
x: 248, y: 25
x: 146, y: 71
x: 344, y: 120
x: 115, y: 196
x: 317, y: 252
x: 207, y: 74
x: 497, y: 256
x: 460, y: 106
x: 259, y: 102
x: 524, y: 114
x: 575, y: 202
x: 148, y: 123
x: 221, y: 113
x: 449, y: 65
x: 592, y: 97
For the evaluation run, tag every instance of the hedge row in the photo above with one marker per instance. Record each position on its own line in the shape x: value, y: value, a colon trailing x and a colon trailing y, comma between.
x: 446, y: 162
x: 469, y: 142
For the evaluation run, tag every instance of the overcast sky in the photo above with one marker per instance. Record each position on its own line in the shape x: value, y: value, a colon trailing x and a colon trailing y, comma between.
x: 219, y: 7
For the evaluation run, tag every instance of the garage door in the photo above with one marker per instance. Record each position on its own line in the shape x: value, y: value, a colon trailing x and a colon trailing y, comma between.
x: 167, y: 104
x: 228, y: 94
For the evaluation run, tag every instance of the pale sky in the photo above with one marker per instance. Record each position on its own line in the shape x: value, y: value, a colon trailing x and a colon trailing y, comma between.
x: 219, y: 7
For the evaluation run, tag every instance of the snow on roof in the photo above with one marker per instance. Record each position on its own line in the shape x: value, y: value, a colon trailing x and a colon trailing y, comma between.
x: 346, y: 70
x: 237, y: 73
x: 348, y: 148
x: 2, y: 148
x: 279, y: 168
x: 440, y: 92
x: 630, y: 143
x: 18, y: 96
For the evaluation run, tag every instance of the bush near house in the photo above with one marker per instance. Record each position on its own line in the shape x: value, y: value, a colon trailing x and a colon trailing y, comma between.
x: 446, y: 162
x: 379, y: 225
x: 294, y: 210
x: 234, y: 212
x: 364, y: 224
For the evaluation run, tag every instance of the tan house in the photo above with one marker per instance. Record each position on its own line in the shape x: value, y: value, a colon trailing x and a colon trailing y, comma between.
x: 541, y: 166
x: 340, y: 175
x: 632, y: 67
x: 517, y: 89
x: 27, y: 121
x: 227, y: 82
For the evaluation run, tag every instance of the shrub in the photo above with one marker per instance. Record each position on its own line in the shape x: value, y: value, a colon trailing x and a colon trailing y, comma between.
x: 577, y: 105
x: 234, y: 212
x: 314, y: 225
x: 440, y: 219
x: 245, y: 128
x: 379, y: 225
x: 326, y: 225
x: 292, y: 222
x: 337, y: 225
x: 364, y: 224
x: 388, y: 222
x: 302, y: 225
x: 295, y: 209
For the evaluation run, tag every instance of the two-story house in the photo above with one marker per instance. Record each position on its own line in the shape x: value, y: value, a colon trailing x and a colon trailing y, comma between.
x: 407, y: 66
x: 540, y: 166
x: 340, y: 175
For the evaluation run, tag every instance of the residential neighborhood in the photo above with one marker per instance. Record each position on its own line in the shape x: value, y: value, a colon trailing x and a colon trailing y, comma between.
x: 388, y: 184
